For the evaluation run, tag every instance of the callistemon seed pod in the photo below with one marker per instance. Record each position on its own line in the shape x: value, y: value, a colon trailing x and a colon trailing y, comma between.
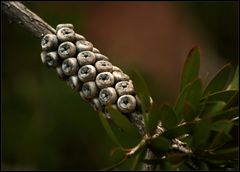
x: 115, y: 68
x: 87, y: 73
x: 124, y: 87
x: 70, y: 66
x: 89, y: 90
x: 103, y: 66
x: 83, y: 45
x: 49, y: 42
x: 86, y: 58
x: 51, y: 59
x: 79, y: 37
x: 126, y: 103
x: 101, y: 57
x: 74, y: 83
x: 43, y: 56
x: 66, y: 34
x: 66, y: 49
x: 107, y: 96
x: 95, y: 50
x: 104, y: 79
x: 68, y: 25
x: 96, y: 105
x: 60, y: 73
x: 120, y: 76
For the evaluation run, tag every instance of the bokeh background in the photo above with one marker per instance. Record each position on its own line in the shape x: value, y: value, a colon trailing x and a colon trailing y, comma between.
x: 46, y: 126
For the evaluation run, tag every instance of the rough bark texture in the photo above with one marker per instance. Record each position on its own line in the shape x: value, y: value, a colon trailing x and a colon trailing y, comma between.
x: 17, y: 12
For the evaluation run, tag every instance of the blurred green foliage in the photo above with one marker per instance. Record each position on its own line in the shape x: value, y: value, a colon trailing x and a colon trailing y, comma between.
x: 45, y: 125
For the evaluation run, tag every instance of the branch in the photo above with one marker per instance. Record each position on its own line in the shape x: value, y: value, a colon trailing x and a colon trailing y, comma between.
x: 17, y: 12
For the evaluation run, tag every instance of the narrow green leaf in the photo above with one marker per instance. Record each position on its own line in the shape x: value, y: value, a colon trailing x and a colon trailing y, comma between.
x: 203, y: 166
x: 168, y: 117
x: 190, y: 94
x: 176, y: 158
x: 234, y: 85
x: 224, y: 96
x: 232, y: 102
x: 160, y: 145
x: 218, y: 83
x: 141, y: 90
x: 209, y: 109
x: 219, y: 140
x: 119, y: 163
x: 191, y: 67
x: 188, y: 112
x: 200, y: 133
x: 178, y: 131
x: 154, y: 118
x: 224, y: 126
x: 227, y: 114
x: 226, y: 154
x: 108, y: 129
x: 130, y: 134
x: 139, y: 159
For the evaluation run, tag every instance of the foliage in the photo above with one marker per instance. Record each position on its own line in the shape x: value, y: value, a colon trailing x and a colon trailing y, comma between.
x: 204, y: 118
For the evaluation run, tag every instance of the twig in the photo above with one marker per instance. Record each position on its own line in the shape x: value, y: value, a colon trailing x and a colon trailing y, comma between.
x: 17, y: 12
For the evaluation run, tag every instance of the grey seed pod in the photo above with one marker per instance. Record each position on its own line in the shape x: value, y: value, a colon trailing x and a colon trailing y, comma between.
x: 86, y: 58
x: 68, y: 25
x: 95, y: 50
x: 126, y: 103
x: 87, y: 73
x: 124, y: 87
x: 43, y: 56
x: 96, y: 105
x: 107, y: 96
x: 79, y: 37
x: 115, y: 68
x: 49, y: 42
x: 101, y: 57
x: 103, y: 66
x: 83, y: 45
x: 60, y: 73
x: 66, y: 49
x: 74, y: 83
x: 120, y: 76
x: 89, y: 90
x: 70, y: 66
x: 104, y: 79
x: 66, y: 34
x: 51, y: 59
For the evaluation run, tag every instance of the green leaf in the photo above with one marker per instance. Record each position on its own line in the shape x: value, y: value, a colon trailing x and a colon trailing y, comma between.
x: 141, y: 90
x: 227, y: 114
x: 226, y: 154
x: 176, y: 158
x: 154, y: 118
x: 200, y: 134
x: 188, y: 112
x: 119, y: 163
x: 204, y: 166
x: 209, y: 109
x: 108, y: 129
x: 178, y: 131
x: 220, y: 139
x: 137, y: 163
x: 160, y: 145
x: 190, y: 94
x: 191, y: 68
x: 168, y: 117
x: 233, y: 101
x: 224, y: 96
x: 222, y: 126
x: 218, y: 83
x: 130, y: 134
x: 234, y: 85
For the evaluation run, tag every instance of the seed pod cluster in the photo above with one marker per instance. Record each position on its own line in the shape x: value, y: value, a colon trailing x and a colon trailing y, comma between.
x: 87, y: 71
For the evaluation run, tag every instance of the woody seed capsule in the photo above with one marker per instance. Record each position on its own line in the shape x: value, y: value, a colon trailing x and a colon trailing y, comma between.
x: 86, y: 58
x: 101, y: 57
x: 103, y: 66
x: 70, y: 66
x: 124, y: 87
x: 74, y: 83
x: 104, y: 79
x: 66, y: 34
x: 95, y: 50
x: 60, y: 73
x: 83, y: 45
x: 96, y: 105
x: 49, y: 42
x: 66, y: 49
x: 107, y: 96
x: 87, y: 73
x: 89, y: 90
x: 120, y: 76
x: 79, y: 37
x: 51, y: 59
x: 68, y: 25
x: 126, y: 103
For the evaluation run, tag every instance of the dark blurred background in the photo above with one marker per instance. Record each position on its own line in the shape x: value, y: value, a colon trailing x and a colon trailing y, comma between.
x: 46, y: 126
